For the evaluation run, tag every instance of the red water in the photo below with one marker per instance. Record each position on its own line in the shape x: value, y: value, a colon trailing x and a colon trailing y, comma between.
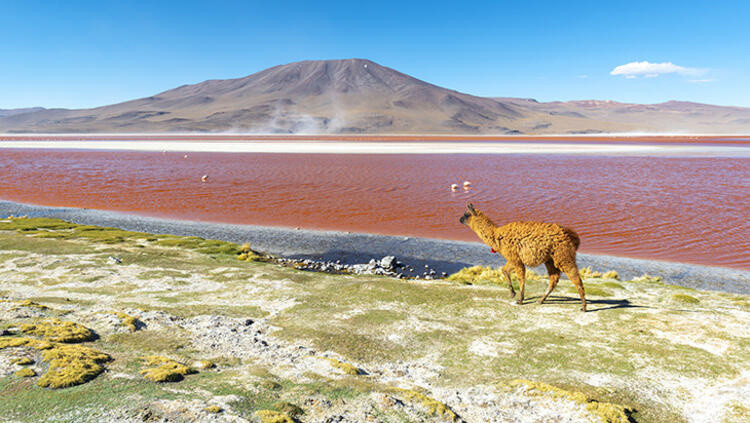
x: 679, y: 209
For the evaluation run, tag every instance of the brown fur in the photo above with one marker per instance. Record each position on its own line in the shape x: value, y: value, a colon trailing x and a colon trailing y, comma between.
x: 530, y: 244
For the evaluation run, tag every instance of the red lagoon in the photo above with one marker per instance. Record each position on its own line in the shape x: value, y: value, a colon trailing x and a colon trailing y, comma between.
x: 679, y: 209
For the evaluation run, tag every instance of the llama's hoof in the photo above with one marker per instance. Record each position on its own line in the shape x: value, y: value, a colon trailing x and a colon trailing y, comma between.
x: 541, y: 301
x: 519, y: 302
x: 583, y: 309
x: 512, y: 294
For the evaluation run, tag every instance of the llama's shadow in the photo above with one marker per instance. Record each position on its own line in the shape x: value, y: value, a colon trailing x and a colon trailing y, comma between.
x: 605, y: 304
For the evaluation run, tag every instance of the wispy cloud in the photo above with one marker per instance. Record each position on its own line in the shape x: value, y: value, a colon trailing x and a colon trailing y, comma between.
x: 652, y: 70
x: 584, y: 76
x: 701, y: 81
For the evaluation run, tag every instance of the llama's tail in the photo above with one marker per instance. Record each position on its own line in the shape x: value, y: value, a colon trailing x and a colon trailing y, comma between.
x: 574, y: 238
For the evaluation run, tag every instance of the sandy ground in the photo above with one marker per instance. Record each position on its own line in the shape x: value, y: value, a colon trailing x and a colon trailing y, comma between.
x: 353, y: 248
x: 380, y: 147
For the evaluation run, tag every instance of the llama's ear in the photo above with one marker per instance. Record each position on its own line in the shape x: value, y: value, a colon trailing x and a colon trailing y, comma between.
x: 470, y: 207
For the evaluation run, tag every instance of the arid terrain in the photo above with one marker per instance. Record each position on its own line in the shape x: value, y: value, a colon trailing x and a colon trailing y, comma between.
x: 358, y: 96
x: 100, y: 324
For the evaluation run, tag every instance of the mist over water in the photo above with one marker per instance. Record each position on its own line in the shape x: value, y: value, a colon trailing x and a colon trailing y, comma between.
x: 688, y: 209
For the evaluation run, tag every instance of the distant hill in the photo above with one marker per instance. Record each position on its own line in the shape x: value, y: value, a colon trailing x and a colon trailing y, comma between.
x: 360, y: 96
x: 11, y: 112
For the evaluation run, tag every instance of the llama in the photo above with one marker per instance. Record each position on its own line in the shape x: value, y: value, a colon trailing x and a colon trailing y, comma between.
x: 530, y: 244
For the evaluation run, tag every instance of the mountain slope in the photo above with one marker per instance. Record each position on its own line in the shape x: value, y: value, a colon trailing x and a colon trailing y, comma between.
x: 358, y: 96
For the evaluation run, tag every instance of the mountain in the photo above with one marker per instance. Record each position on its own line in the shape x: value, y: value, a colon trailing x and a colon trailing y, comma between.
x: 11, y: 112
x: 360, y: 96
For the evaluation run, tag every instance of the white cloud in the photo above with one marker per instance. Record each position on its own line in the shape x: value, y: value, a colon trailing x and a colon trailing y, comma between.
x: 652, y: 70
x: 701, y: 81
x: 584, y: 76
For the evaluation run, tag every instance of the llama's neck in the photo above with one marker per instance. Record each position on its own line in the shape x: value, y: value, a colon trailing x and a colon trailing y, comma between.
x: 484, y: 228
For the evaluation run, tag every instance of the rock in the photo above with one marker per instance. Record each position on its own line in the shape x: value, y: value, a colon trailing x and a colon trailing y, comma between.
x: 387, y: 262
x: 115, y: 260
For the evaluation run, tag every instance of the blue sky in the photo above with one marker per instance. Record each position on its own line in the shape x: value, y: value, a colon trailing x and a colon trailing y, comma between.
x: 85, y: 54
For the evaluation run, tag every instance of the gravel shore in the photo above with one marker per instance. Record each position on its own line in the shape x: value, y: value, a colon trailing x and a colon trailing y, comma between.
x: 354, y: 248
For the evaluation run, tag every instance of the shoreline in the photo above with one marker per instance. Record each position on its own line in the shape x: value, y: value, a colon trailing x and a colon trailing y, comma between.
x: 306, y: 146
x: 355, y: 248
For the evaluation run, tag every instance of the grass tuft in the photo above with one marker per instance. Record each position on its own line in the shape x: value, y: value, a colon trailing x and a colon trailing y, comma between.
x: 607, y: 412
x: 25, y: 372
x: 270, y: 416
x: 477, y: 275
x: 69, y: 365
x: 213, y: 409
x: 23, y: 361
x: 345, y: 367
x: 167, y: 370
x: 127, y: 320
x: 57, y: 330
x: 434, y: 407
x: 685, y: 299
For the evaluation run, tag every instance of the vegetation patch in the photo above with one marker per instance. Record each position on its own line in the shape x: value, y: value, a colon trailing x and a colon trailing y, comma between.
x: 685, y: 299
x: 247, y: 254
x: 289, y: 409
x: 23, y: 361
x: 25, y: 372
x: 607, y: 412
x: 479, y: 275
x: 69, y: 365
x: 646, y: 278
x: 614, y: 285
x: 344, y: 367
x: 166, y: 370
x: 204, y: 364
x: 127, y: 320
x: 587, y: 273
x: 57, y: 330
x: 434, y: 407
x: 597, y: 291
x: 270, y: 416
x: 213, y: 409
x: 24, y: 224
x: 25, y: 303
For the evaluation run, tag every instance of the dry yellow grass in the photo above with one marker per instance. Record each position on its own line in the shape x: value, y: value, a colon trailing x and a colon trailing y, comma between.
x: 434, y: 407
x: 607, y: 412
x: 69, y: 365
x: 166, y: 370
x: 57, y: 330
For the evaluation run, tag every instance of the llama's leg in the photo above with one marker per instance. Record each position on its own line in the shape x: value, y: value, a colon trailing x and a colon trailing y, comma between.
x: 572, y: 272
x: 554, y: 277
x: 521, y: 275
x: 506, y: 272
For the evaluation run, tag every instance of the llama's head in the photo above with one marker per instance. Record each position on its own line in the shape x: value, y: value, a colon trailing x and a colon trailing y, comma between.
x: 468, y: 215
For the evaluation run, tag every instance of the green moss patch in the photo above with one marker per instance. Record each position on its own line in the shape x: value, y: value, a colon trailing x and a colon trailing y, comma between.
x: 685, y: 299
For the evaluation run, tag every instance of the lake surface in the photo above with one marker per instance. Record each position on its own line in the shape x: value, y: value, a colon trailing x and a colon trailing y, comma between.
x: 675, y: 208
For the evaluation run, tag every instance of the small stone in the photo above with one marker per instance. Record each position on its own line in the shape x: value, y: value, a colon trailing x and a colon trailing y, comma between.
x: 115, y: 260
